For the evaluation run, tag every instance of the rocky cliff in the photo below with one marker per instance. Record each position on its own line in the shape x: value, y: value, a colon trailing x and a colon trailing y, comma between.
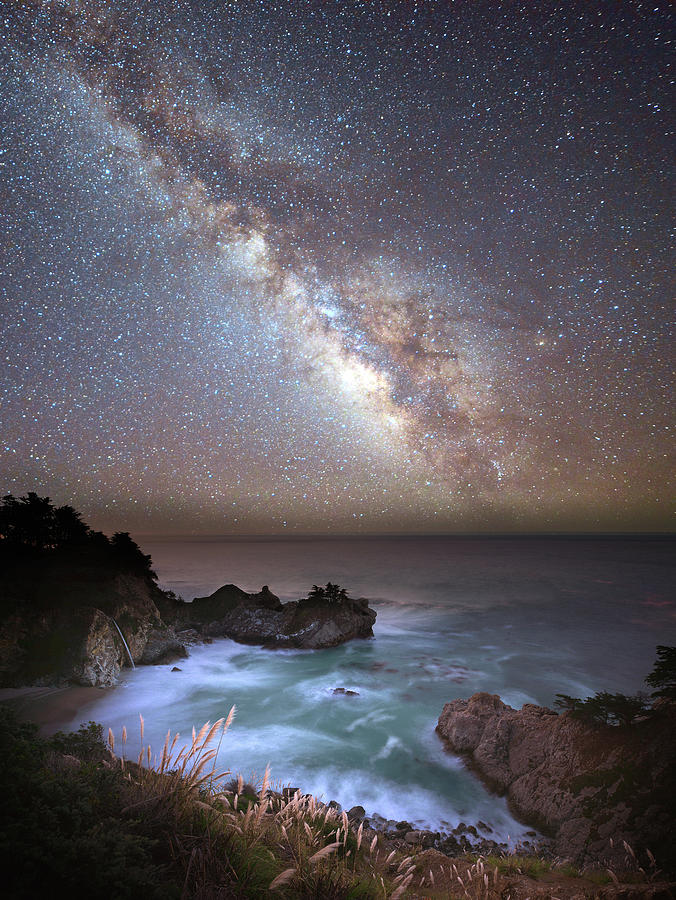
x: 262, y: 619
x: 67, y: 624
x: 76, y: 606
x: 581, y: 784
x: 70, y: 622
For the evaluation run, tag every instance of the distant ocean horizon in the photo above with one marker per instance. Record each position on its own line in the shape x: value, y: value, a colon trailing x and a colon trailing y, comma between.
x: 524, y: 617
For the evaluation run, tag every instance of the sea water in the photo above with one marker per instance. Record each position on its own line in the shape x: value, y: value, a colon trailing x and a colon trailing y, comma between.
x: 522, y: 618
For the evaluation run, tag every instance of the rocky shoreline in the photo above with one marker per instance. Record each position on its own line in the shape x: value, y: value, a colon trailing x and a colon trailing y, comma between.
x: 83, y: 625
x: 308, y: 624
x: 591, y: 789
x: 464, y: 838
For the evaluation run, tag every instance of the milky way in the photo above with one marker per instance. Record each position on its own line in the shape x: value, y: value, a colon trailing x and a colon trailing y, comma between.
x: 338, y: 267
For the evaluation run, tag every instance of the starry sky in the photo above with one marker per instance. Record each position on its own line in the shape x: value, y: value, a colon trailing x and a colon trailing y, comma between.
x: 338, y: 267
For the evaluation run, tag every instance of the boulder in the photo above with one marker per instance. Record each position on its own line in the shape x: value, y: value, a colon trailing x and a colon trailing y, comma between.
x: 356, y: 814
x: 162, y: 646
x: 580, y: 784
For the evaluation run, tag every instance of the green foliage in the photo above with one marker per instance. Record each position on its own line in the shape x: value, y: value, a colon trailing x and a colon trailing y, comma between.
x: 519, y: 864
x: 605, y: 708
x: 663, y: 675
x: 332, y: 593
x: 61, y: 822
x: 87, y: 744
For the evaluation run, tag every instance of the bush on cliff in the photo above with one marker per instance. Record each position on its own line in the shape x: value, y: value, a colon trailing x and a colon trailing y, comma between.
x: 605, y: 708
x: 332, y: 593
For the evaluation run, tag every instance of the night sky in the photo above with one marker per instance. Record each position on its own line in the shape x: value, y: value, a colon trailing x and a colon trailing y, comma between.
x: 286, y: 267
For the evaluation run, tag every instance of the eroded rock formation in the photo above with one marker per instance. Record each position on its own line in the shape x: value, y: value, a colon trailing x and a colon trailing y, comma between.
x: 61, y: 624
x: 262, y: 619
x: 583, y: 785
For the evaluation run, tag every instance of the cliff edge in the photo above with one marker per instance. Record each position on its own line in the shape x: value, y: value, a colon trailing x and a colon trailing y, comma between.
x: 581, y: 784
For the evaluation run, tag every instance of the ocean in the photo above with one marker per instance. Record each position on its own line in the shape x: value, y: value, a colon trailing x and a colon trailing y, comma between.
x: 525, y: 618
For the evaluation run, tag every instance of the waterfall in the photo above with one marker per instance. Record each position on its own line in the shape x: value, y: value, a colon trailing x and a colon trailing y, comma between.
x: 126, y: 646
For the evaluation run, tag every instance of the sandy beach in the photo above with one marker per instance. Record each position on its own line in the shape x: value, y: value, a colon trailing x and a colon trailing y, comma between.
x: 51, y: 708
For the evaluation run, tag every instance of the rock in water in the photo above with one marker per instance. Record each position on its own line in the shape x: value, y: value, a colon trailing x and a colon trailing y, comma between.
x: 581, y: 784
x: 262, y: 619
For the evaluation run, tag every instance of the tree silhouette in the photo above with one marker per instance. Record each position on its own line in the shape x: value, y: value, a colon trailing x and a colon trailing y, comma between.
x: 605, y: 708
x: 332, y: 593
x: 33, y: 525
x: 130, y: 554
x: 663, y: 675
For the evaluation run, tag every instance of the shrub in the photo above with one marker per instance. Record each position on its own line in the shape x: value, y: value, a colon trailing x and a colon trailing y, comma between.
x: 61, y: 823
x: 332, y: 593
x: 605, y: 708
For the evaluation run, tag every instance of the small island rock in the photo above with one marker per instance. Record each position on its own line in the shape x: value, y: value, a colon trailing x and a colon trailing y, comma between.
x: 262, y: 619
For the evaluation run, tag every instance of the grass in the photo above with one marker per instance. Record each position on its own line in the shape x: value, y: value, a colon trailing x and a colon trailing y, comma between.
x: 517, y: 864
x: 170, y: 824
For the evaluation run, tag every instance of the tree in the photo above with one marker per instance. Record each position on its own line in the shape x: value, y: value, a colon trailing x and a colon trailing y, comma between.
x: 69, y: 529
x: 605, y: 708
x: 27, y: 522
x: 128, y: 552
x: 568, y: 703
x: 332, y: 593
x: 663, y: 675
x: 34, y: 523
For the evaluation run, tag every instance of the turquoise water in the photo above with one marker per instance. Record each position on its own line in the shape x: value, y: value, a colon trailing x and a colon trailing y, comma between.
x: 524, y: 619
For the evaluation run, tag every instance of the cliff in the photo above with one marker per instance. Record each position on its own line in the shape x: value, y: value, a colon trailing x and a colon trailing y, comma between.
x: 581, y: 784
x: 69, y: 620
x: 64, y: 620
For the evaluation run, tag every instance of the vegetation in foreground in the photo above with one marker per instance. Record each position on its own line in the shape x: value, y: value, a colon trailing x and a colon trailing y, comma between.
x: 82, y: 818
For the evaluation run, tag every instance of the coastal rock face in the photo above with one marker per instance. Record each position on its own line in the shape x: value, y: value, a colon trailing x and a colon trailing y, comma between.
x: 580, y: 784
x: 98, y: 656
x: 60, y: 624
x: 80, y: 646
x: 262, y: 619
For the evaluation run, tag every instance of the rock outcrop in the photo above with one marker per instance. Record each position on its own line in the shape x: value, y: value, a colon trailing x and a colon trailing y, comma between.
x: 580, y: 784
x: 262, y: 619
x: 162, y: 646
x: 63, y: 623
x: 76, y: 606
x: 59, y: 623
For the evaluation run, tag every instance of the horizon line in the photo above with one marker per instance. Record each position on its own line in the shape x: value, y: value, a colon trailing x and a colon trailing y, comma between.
x: 655, y: 535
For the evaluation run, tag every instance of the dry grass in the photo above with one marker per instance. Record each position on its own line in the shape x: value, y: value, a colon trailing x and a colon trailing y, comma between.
x: 233, y: 842
x: 245, y: 839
